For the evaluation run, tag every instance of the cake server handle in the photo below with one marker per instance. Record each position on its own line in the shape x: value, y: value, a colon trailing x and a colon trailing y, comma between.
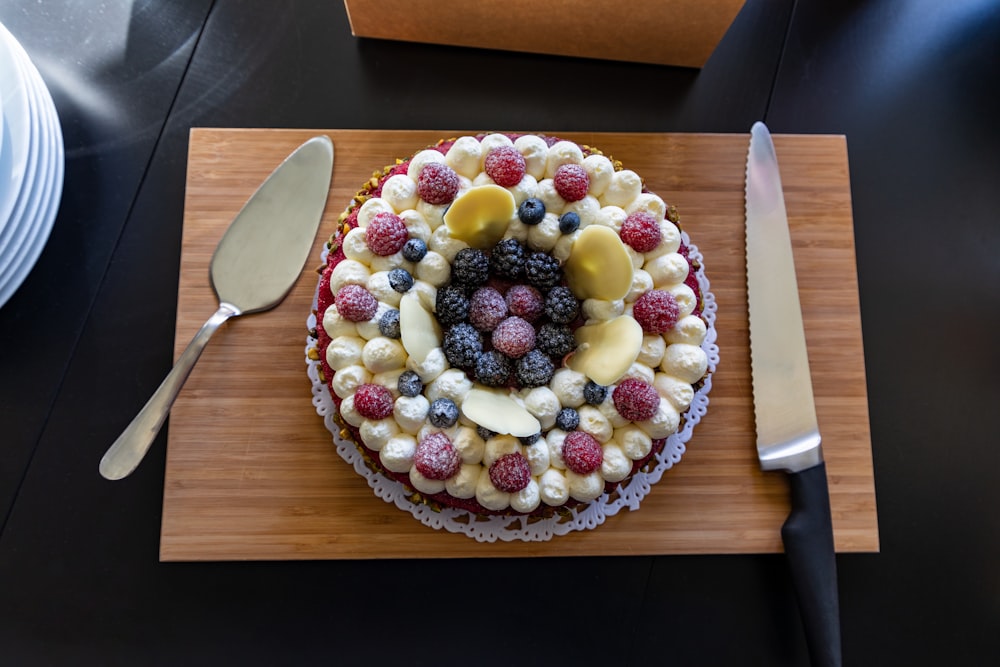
x: 131, y: 446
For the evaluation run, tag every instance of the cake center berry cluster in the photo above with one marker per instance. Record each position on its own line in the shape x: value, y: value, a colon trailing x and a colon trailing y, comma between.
x: 507, y: 315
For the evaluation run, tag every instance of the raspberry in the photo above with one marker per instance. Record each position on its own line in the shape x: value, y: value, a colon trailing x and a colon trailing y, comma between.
x: 555, y: 340
x: 487, y: 308
x: 594, y: 393
x: 507, y: 259
x: 571, y: 182
x: 355, y: 303
x: 437, y: 183
x: 505, y: 165
x: 386, y: 233
x: 414, y: 250
x: 471, y: 267
x: 635, y: 400
x: 531, y: 211
x: 443, y: 413
x: 561, y: 306
x: 569, y: 222
x: 373, y: 401
x: 450, y: 305
x: 542, y: 270
x: 567, y: 419
x: 656, y: 311
x: 409, y: 384
x: 493, y: 368
x: 582, y: 453
x: 514, y: 337
x: 641, y: 231
x: 436, y: 457
x: 388, y: 324
x: 510, y: 473
x: 400, y: 280
x: 534, y: 369
x: 525, y: 301
x: 462, y: 345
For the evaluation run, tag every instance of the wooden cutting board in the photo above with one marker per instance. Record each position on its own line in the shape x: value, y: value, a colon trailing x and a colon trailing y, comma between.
x: 252, y: 472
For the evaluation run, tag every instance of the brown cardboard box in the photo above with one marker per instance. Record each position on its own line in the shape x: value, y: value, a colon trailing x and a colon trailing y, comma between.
x: 663, y: 32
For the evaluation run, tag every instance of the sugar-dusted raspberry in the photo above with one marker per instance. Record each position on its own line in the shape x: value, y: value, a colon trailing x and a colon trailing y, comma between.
x: 443, y: 413
x: 355, y: 303
x: 436, y: 457
x: 561, y: 306
x: 656, y: 311
x: 571, y: 182
x: 487, y: 308
x: 525, y: 301
x: 514, y: 337
x: 635, y: 400
x: 641, y: 231
x: 581, y: 452
x: 507, y: 259
x: 470, y: 268
x: 373, y: 401
x: 386, y: 233
x: 510, y: 472
x: 505, y: 165
x: 534, y: 369
x: 437, y: 183
x: 493, y: 368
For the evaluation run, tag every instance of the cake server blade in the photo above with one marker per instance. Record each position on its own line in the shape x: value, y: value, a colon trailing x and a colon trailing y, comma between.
x: 254, y: 267
x: 788, y: 435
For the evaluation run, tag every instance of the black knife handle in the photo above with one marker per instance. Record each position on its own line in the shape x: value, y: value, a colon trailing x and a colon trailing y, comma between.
x: 808, y: 539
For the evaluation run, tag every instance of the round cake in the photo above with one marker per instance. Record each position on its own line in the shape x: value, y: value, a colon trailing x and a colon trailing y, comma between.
x: 510, y: 324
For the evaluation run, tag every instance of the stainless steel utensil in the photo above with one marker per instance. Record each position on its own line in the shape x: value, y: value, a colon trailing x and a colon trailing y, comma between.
x: 253, y: 268
x: 788, y: 435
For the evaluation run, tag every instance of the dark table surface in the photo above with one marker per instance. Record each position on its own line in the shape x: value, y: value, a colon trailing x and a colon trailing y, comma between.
x: 88, y: 337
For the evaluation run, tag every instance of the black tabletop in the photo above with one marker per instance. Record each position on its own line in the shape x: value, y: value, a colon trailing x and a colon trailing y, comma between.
x: 89, y: 336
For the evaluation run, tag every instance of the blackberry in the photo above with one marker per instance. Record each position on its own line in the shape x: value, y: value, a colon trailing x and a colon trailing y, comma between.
x: 507, y: 259
x: 534, y: 369
x: 561, y: 306
x: 414, y: 250
x: 400, y: 280
x: 409, y: 384
x: 484, y: 432
x: 443, y: 413
x: 388, y: 324
x: 569, y: 222
x: 451, y: 305
x: 471, y: 267
x: 493, y: 368
x: 568, y: 419
x: 531, y: 211
x: 542, y: 270
x: 529, y: 440
x: 594, y: 393
x: 462, y: 345
x: 555, y: 340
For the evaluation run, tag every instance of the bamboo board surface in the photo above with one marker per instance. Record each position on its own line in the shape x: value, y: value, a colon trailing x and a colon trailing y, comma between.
x: 252, y: 473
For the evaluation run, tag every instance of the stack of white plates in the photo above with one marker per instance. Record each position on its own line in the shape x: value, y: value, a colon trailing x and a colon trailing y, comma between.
x: 31, y: 164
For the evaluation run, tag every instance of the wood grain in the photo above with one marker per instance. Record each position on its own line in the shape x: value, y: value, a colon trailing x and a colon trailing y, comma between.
x: 252, y: 472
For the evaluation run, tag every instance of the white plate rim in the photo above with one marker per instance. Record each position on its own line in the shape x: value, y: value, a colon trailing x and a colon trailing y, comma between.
x: 17, y: 118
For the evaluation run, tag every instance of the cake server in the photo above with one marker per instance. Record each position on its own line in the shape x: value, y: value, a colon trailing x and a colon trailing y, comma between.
x: 254, y: 267
x: 788, y: 435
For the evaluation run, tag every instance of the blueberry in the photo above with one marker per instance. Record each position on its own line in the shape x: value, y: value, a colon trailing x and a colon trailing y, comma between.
x: 409, y: 384
x: 529, y: 440
x: 569, y: 222
x: 414, y: 250
x: 443, y: 413
x: 484, y: 432
x: 388, y: 324
x: 400, y: 280
x: 594, y: 393
x: 568, y: 419
x: 531, y: 211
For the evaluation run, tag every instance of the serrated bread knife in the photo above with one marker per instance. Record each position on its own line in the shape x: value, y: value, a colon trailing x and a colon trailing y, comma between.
x: 787, y: 431
x: 254, y: 267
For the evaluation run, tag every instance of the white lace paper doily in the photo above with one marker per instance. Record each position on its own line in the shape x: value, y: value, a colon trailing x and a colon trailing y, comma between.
x: 512, y: 528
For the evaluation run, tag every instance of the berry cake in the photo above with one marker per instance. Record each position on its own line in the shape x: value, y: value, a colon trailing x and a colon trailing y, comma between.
x: 510, y: 325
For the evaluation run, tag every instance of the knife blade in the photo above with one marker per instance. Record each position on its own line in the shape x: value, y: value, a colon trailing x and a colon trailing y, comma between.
x: 254, y: 266
x: 788, y: 436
